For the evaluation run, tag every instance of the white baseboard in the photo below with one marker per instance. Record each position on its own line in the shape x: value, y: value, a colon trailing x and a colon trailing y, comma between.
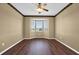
x: 10, y: 47
x: 68, y: 46
x: 50, y: 38
x: 27, y: 38
x: 45, y: 38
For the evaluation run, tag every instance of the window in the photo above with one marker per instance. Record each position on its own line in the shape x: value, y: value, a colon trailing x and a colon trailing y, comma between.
x: 39, y: 25
x: 33, y: 26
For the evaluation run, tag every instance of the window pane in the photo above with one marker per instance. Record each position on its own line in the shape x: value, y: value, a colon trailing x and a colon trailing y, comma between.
x: 45, y: 25
x: 39, y: 25
x: 33, y: 25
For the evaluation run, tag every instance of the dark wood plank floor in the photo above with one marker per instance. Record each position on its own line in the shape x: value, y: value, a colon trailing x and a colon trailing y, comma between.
x: 39, y: 47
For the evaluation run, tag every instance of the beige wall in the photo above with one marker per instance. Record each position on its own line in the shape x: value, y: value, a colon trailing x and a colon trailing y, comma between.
x: 67, y: 26
x: 27, y: 26
x: 10, y: 26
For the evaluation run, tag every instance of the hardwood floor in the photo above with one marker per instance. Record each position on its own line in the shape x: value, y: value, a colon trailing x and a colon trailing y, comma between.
x: 39, y: 47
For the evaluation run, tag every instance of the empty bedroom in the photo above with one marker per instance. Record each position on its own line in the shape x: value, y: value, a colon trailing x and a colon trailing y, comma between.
x: 39, y: 28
